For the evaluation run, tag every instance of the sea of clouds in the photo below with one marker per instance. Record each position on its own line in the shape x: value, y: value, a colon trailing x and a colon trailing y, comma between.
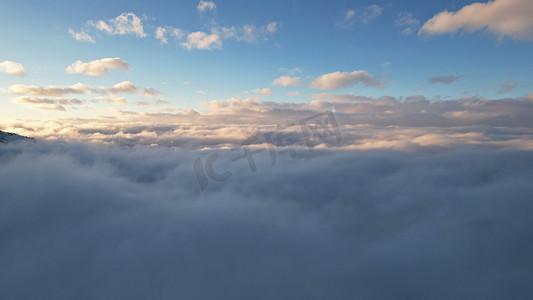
x: 89, y: 221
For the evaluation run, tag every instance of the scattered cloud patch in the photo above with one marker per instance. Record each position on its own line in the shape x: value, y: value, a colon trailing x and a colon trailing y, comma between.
x: 407, y: 21
x: 47, y: 103
x: 97, y: 67
x: 113, y: 100
x: 293, y: 94
x: 444, y: 79
x: 337, y: 80
x: 121, y: 87
x: 126, y: 23
x: 249, y: 33
x: 348, y: 20
x: 150, y: 92
x: 205, y: 6
x: 157, y: 102
x: 81, y: 36
x: 286, y: 81
x: 507, y: 87
x: 162, y: 32
x: 366, y: 16
x: 78, y: 88
x: 370, y: 13
x: 263, y: 91
x: 203, y: 41
x: 131, y: 24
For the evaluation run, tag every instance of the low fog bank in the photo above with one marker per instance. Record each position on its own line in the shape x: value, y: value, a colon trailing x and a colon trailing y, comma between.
x: 80, y: 221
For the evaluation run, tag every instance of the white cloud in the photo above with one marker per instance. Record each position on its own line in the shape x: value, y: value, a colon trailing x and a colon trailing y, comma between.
x: 12, y: 68
x: 293, y: 94
x: 500, y: 17
x: 263, y: 91
x: 102, y: 26
x: 286, y: 81
x: 407, y: 21
x: 204, y: 6
x: 337, y: 80
x: 203, y: 41
x: 97, y: 67
x: 126, y: 23
x: 161, y: 33
x: 249, y: 33
x: 81, y: 36
x: 366, y: 16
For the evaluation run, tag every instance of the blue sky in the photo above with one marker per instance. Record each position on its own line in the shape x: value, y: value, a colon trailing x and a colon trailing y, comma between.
x: 311, y: 38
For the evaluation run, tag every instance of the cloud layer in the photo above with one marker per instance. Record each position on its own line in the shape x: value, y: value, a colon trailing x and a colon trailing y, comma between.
x: 88, y: 222
x: 45, y: 94
x: 408, y: 124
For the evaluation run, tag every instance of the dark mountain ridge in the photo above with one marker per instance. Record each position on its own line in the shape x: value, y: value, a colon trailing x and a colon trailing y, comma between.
x: 7, y: 137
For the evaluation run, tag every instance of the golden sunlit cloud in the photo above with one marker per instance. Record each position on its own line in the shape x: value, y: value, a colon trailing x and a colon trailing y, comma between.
x: 97, y: 67
x: 12, y: 68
